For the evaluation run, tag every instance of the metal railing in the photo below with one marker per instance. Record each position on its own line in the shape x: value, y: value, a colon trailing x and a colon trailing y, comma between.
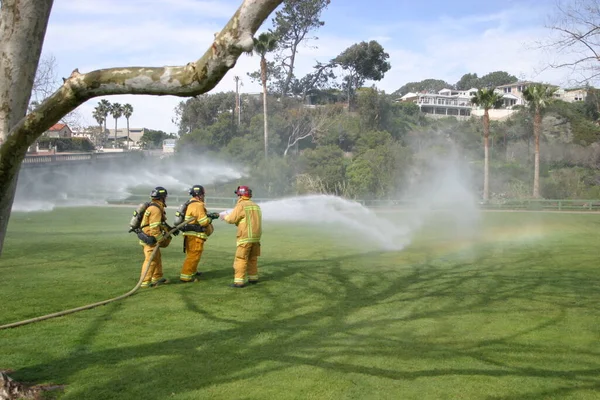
x: 68, y: 157
x: 545, y: 205
x: 510, y: 204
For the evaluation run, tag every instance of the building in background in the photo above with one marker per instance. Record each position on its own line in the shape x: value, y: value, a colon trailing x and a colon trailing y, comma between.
x: 169, y: 146
x: 135, y: 134
x: 59, y: 131
x: 445, y: 103
x: 572, y: 95
x: 457, y: 103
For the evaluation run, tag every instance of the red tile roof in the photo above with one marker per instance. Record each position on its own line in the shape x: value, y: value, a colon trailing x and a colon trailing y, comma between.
x: 57, y: 127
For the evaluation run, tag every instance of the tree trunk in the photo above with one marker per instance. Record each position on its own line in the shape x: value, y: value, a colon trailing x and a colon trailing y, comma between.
x: 127, y: 133
x: 22, y: 29
x: 115, y: 143
x: 104, y: 133
x: 263, y: 77
x: 505, y: 149
x: 11, y: 389
x: 290, y: 73
x: 486, y: 157
x: 537, y: 127
x: 349, y: 80
x: 266, y: 121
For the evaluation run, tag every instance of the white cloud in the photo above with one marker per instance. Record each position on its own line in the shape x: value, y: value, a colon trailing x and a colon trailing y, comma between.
x: 140, y: 9
x: 452, y: 47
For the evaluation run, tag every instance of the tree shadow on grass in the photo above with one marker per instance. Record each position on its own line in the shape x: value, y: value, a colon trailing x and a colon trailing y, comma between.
x: 426, y: 320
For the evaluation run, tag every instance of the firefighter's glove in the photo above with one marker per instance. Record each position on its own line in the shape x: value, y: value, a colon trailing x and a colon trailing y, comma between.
x: 213, y: 215
x: 170, y: 228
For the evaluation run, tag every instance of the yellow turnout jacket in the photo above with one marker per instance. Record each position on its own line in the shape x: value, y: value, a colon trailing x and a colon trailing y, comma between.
x: 196, y: 209
x: 154, y: 220
x: 247, y: 216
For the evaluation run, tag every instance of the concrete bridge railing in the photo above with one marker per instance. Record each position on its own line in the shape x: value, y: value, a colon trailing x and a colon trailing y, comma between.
x: 50, y: 159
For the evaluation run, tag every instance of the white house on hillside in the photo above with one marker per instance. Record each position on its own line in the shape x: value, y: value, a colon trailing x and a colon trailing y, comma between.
x: 513, y: 93
x: 451, y: 102
x: 571, y: 95
x: 446, y: 102
x: 515, y: 90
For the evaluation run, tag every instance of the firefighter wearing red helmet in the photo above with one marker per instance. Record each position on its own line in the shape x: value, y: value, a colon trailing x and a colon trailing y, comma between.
x: 247, y: 216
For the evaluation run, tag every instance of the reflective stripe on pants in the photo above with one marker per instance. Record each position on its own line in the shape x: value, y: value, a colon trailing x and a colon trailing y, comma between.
x: 246, y: 261
x: 193, y: 251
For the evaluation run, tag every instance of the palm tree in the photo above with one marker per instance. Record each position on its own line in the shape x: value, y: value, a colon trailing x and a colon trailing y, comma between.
x: 265, y: 43
x: 116, y: 110
x: 98, y: 115
x: 104, y: 108
x: 127, y: 111
x: 486, y: 99
x: 538, y: 97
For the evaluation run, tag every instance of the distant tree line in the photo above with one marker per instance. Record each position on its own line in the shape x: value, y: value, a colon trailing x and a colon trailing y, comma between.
x: 329, y: 132
x: 382, y: 146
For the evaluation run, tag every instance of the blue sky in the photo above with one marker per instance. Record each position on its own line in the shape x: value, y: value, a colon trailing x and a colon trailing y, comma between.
x: 425, y: 39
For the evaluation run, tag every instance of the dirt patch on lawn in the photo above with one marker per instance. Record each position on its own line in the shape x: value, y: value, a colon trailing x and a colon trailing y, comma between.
x: 13, y: 390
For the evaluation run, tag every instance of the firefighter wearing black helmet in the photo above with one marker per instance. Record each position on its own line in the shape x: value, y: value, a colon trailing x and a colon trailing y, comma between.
x: 154, y: 225
x: 247, y: 216
x: 195, y: 234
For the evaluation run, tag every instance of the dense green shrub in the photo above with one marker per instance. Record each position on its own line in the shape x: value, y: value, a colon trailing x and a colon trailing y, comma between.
x: 73, y: 144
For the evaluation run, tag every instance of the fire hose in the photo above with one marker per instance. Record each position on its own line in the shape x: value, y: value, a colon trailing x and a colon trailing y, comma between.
x: 101, y: 303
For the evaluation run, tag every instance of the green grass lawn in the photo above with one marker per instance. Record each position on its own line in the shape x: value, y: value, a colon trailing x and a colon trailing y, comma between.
x: 512, y: 314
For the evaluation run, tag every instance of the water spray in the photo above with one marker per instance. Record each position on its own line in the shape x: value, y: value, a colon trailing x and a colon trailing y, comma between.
x: 336, y: 211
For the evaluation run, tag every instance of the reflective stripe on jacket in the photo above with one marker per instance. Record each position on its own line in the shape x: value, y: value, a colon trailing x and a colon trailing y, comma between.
x: 197, y: 210
x: 247, y: 215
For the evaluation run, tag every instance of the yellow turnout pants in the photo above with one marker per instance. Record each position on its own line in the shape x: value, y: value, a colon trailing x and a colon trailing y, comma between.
x: 193, y: 251
x: 246, y: 262
x: 155, y: 271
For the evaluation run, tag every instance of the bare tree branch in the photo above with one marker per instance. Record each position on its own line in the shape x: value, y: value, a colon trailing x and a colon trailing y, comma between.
x: 576, y: 25
x: 45, y: 83
x: 308, y: 123
x: 46, y: 80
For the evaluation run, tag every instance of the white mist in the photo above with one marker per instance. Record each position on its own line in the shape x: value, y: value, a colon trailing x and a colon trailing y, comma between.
x: 40, y: 189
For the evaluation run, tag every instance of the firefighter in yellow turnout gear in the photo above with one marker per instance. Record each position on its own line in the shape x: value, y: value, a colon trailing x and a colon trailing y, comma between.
x: 154, y: 226
x: 247, y: 216
x: 195, y: 233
